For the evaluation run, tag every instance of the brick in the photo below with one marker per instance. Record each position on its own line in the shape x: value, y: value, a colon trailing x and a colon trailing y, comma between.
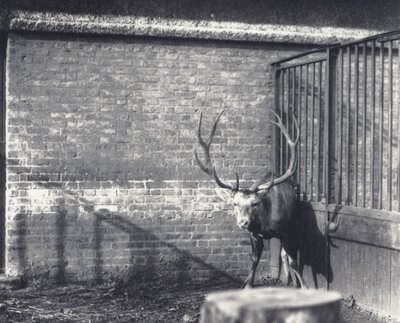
x: 112, y: 127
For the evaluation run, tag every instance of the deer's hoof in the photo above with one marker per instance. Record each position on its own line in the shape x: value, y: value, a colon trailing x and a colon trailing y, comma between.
x: 247, y: 285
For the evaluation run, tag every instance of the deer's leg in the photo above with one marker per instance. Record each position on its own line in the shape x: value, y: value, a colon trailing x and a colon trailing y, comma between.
x: 295, y: 268
x: 285, y: 266
x: 257, y: 245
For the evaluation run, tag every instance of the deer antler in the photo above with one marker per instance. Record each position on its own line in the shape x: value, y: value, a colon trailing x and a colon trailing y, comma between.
x: 266, y: 186
x: 293, y: 159
x: 208, y: 168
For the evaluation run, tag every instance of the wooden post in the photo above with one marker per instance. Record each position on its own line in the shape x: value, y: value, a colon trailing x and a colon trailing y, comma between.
x: 264, y: 305
x: 329, y: 142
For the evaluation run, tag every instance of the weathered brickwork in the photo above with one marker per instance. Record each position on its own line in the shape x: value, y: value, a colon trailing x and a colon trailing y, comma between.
x: 100, y: 138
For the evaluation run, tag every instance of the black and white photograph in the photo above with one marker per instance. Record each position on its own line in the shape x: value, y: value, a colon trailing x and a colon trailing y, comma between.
x: 186, y: 161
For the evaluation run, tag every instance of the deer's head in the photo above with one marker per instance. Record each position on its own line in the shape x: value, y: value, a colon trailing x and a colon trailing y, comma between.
x: 248, y: 203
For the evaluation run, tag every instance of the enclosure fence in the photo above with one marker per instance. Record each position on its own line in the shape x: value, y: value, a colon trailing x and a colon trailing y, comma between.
x: 346, y: 100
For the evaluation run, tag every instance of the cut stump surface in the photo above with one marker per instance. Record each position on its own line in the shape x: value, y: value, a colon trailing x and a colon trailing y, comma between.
x: 263, y: 305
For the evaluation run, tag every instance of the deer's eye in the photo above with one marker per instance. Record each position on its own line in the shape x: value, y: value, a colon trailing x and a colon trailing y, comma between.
x: 256, y: 203
x: 235, y: 204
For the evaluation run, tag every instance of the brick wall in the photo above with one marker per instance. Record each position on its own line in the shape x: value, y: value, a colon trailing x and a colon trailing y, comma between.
x: 101, y: 182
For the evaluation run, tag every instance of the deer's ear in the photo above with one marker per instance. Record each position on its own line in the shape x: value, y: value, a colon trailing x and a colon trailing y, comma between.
x: 223, y: 194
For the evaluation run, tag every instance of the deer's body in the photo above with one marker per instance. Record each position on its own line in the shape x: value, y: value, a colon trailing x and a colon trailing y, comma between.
x: 266, y: 213
x: 265, y: 209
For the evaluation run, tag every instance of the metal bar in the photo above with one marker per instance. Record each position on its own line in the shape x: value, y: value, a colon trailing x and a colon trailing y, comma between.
x: 339, y: 46
x: 286, y: 120
x: 312, y: 51
x: 340, y: 132
x: 327, y: 129
x: 293, y: 105
x: 329, y: 95
x: 398, y: 133
x: 388, y: 39
x: 364, y: 127
x: 366, y: 39
x: 380, y: 138
x: 372, y: 166
x: 348, y: 121
x: 281, y: 114
x: 390, y: 121
x: 312, y: 132
x: 306, y: 131
x: 299, y: 99
x: 302, y: 63
x: 318, y: 147
x: 356, y: 103
x: 275, y: 146
x: 329, y: 144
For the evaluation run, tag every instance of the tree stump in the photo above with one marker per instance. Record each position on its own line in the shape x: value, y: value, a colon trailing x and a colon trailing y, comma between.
x: 264, y: 305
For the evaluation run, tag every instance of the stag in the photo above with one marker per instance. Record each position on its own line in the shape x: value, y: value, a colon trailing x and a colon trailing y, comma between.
x: 264, y: 209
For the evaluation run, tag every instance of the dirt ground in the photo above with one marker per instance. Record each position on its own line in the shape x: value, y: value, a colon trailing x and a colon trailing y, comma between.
x: 106, y: 303
x: 144, y: 304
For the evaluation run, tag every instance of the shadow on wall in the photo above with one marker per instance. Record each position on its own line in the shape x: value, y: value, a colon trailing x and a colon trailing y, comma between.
x: 310, y: 242
x: 145, y: 255
x: 162, y: 258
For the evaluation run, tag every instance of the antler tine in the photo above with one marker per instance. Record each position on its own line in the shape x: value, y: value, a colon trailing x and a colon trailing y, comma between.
x: 223, y: 185
x: 236, y: 188
x: 205, y: 146
x: 208, y: 168
x: 297, y: 132
x: 200, y: 164
x: 214, y: 128
x: 293, y: 158
x: 266, y: 186
x: 280, y: 125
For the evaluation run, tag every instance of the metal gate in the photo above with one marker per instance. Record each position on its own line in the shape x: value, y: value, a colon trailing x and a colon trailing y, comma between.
x: 346, y: 99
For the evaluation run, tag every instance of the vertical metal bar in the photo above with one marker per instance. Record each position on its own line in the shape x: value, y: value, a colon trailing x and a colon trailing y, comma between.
x: 340, y: 131
x: 312, y: 132
x: 330, y: 93
x: 275, y: 137
x: 275, y: 245
x: 306, y: 132
x: 329, y: 127
x: 390, y: 121
x: 364, y: 127
x: 348, y: 121
x: 372, y: 166
x: 356, y: 103
x: 286, y: 120
x: 319, y: 107
x: 299, y: 107
x: 281, y: 161
x: 398, y: 135
x: 380, y: 138
x: 293, y: 109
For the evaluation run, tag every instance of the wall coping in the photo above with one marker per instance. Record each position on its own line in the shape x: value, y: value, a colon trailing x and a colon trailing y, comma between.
x: 179, y: 28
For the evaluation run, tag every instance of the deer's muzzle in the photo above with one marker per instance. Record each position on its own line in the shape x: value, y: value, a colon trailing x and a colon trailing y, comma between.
x: 243, y: 223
